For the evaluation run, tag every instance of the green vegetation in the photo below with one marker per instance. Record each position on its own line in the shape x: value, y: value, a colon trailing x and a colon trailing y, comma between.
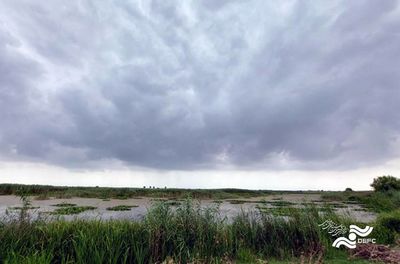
x: 338, y: 205
x: 391, y: 221
x: 69, y: 210
x: 373, y: 201
x: 24, y: 208
x: 386, y: 184
x: 177, y: 230
x: 280, y: 203
x: 188, y: 233
x: 63, y: 192
x: 121, y: 208
x: 385, y: 201
x: 237, y: 201
x: 64, y: 204
x: 389, y: 226
x: 288, y: 211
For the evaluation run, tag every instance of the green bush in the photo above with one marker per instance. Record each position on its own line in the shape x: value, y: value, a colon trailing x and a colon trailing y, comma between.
x: 381, y: 202
x: 390, y: 221
x: 387, y: 227
x: 386, y: 183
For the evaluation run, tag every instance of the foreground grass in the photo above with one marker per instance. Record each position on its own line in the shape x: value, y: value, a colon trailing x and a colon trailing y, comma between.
x: 184, y: 234
x: 181, y: 231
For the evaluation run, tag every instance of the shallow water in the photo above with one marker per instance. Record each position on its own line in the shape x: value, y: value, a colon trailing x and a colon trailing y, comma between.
x: 226, y: 208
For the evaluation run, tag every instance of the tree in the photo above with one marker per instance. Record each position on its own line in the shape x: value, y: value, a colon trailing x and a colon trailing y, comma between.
x: 386, y: 183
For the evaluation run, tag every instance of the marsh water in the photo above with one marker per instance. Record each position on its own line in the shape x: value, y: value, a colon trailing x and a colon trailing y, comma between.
x: 227, y: 208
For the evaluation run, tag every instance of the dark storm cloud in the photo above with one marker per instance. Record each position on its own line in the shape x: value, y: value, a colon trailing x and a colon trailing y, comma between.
x: 164, y: 85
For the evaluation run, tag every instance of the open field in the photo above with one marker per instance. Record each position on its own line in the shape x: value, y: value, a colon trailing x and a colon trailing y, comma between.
x: 44, y: 224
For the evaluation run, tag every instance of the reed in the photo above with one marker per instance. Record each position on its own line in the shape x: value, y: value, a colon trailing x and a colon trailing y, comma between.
x: 185, y: 233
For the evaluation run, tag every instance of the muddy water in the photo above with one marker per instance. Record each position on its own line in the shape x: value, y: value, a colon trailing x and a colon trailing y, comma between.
x: 227, y: 208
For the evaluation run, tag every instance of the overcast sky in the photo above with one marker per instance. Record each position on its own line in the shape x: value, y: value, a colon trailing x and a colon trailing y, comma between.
x: 166, y: 92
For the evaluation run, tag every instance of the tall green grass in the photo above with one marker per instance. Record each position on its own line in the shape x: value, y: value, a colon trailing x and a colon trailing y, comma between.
x: 374, y: 201
x: 186, y: 233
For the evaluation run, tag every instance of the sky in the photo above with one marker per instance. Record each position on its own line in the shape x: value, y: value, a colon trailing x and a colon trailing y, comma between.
x: 200, y: 94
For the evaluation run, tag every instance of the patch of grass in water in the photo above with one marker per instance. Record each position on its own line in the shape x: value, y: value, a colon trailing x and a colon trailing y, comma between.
x: 307, y: 203
x: 338, y: 205
x: 64, y: 205
x: 72, y: 210
x: 317, y: 201
x: 20, y: 207
x: 288, y: 211
x: 245, y: 201
x: 237, y: 201
x: 121, y: 208
x: 351, y: 202
x: 279, y: 211
x: 280, y: 203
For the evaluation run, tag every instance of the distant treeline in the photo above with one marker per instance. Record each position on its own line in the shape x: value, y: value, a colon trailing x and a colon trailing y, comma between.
x: 123, y: 193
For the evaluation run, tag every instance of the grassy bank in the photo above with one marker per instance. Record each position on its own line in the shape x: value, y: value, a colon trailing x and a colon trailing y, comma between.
x: 45, y: 191
x: 188, y: 234
x: 374, y: 201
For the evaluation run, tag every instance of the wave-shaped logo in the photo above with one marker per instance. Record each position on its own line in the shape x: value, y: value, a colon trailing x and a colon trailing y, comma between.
x: 342, y: 241
x: 354, y: 231
x: 361, y: 232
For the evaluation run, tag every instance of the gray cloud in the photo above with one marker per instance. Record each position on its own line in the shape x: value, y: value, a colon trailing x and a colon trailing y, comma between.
x: 191, y: 86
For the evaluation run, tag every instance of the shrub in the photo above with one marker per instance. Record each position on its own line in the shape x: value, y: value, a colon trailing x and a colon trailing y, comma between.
x: 390, y: 220
x: 387, y: 227
x: 386, y: 183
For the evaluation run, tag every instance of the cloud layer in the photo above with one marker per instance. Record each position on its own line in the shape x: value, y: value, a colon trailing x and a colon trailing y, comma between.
x: 190, y: 85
